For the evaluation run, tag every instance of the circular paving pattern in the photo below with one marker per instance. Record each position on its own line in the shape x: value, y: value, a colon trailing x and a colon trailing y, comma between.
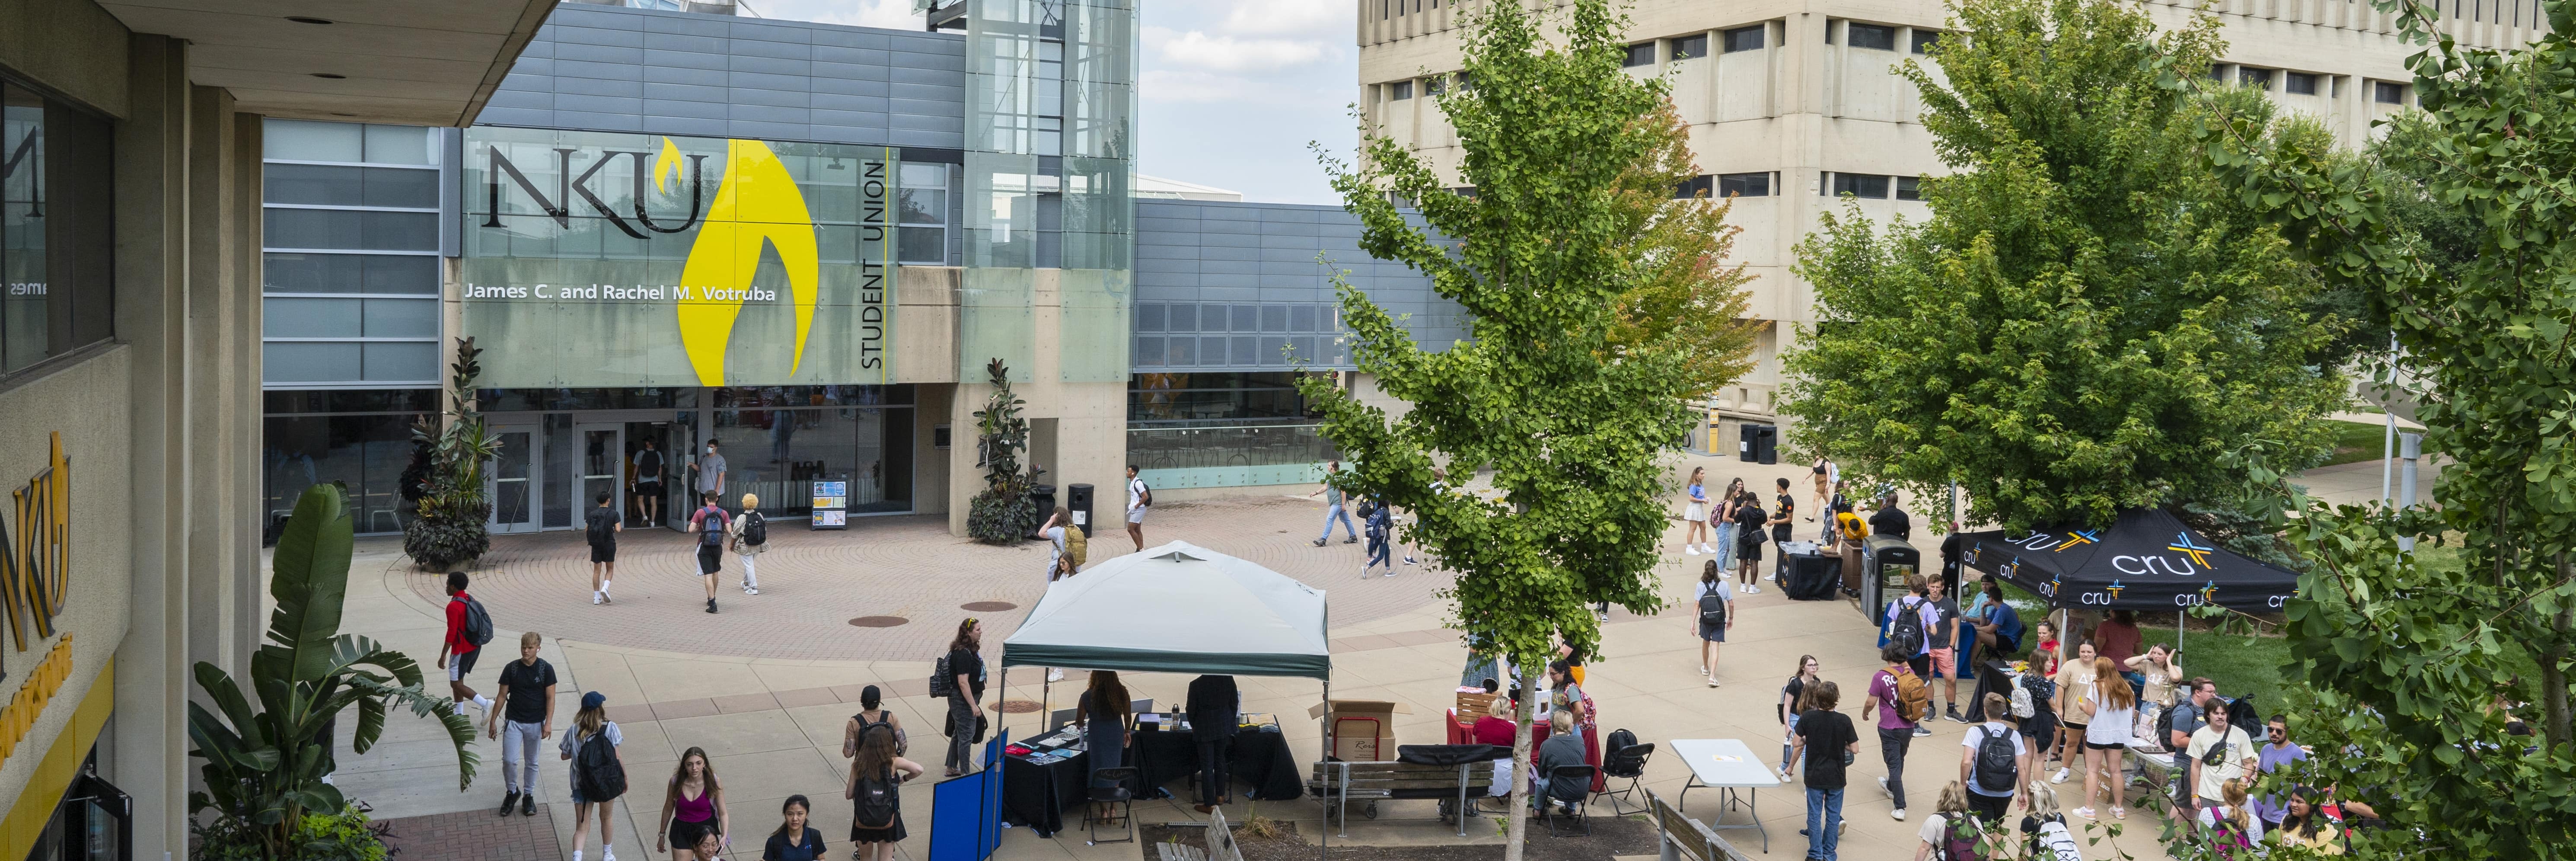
x: 1019, y: 707
x: 907, y: 573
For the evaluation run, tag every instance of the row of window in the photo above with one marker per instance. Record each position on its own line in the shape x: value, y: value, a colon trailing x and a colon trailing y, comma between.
x: 1393, y: 8
x: 350, y: 275
x: 1725, y: 185
x: 2305, y: 83
x: 1871, y: 185
x: 57, y: 234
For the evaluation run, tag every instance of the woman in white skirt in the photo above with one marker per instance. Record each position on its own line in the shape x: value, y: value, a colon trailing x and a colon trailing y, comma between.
x: 1695, y: 535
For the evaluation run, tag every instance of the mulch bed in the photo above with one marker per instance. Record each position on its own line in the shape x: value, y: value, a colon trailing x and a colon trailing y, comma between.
x: 1610, y: 836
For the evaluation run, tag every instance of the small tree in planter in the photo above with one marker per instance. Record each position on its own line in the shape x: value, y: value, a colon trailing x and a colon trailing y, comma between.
x: 448, y: 528
x: 1002, y: 514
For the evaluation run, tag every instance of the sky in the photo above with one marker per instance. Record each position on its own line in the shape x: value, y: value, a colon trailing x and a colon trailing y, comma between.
x: 1231, y: 91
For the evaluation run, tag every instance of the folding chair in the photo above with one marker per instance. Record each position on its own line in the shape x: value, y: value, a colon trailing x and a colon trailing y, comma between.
x: 1115, y: 793
x: 1582, y: 776
x: 1627, y: 762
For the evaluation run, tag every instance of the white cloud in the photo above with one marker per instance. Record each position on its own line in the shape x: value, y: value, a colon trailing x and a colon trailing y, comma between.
x: 890, y: 14
x: 1197, y: 49
x: 1287, y: 17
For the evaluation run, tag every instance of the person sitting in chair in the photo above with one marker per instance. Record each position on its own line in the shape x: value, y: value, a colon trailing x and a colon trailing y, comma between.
x: 1563, y: 748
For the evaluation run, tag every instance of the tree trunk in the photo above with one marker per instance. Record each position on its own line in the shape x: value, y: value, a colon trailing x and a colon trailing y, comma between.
x: 2553, y: 681
x: 1517, y: 818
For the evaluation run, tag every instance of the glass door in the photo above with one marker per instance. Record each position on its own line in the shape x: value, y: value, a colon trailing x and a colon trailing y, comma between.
x: 603, y: 467
x: 513, y: 477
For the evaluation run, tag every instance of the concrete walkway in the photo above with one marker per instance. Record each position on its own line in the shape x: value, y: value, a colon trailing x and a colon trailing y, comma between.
x: 766, y: 685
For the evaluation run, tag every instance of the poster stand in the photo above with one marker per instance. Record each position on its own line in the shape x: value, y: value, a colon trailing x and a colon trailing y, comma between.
x: 831, y: 505
x: 966, y: 812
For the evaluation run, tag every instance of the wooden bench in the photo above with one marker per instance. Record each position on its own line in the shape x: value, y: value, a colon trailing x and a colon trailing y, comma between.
x: 1685, y: 839
x: 1337, y: 783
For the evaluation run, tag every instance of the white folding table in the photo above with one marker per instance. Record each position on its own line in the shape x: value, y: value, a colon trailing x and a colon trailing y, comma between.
x: 1726, y: 765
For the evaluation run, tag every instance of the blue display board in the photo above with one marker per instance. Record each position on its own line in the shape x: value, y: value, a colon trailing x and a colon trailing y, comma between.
x: 966, y: 812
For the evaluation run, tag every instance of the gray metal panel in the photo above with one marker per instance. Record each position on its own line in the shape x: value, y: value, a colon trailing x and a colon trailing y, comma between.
x: 1215, y: 251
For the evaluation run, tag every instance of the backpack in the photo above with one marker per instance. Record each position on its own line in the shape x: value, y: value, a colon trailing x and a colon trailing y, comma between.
x: 478, y: 622
x: 1619, y: 740
x: 1956, y: 845
x: 755, y: 528
x: 2164, y: 726
x: 1144, y: 494
x: 1712, y: 610
x: 600, y: 531
x: 2021, y: 704
x: 942, y: 682
x: 900, y: 742
x: 1997, y: 765
x: 1908, y: 628
x: 711, y: 530
x: 2055, y: 840
x: 875, y: 801
x: 2228, y: 837
x: 1076, y: 546
x: 2241, y: 713
x: 1913, y: 697
x: 602, y: 777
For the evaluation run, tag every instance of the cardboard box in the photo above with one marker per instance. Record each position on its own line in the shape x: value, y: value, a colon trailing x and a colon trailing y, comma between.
x: 1367, y: 728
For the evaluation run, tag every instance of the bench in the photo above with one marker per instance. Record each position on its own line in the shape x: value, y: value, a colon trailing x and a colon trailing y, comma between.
x: 1338, y: 783
x: 1685, y: 839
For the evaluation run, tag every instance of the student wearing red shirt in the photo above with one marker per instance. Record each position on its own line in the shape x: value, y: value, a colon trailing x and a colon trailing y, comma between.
x: 456, y: 653
x: 1496, y: 728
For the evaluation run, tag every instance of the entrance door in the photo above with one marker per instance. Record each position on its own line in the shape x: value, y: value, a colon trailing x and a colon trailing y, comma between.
x: 603, y: 467
x: 514, y: 478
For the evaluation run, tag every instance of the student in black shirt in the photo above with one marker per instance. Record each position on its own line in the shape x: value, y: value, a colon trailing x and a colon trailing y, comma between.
x: 528, y: 706
x: 1835, y: 744
x: 1891, y: 521
x: 966, y: 705
x: 1781, y: 517
x: 1215, y: 709
x: 601, y: 525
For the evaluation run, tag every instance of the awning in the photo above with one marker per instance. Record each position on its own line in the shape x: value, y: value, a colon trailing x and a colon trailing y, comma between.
x: 1177, y: 608
x: 2146, y: 560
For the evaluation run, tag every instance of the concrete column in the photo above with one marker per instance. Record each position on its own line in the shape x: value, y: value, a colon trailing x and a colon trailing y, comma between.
x: 153, y: 669
x: 242, y: 395
x: 202, y: 377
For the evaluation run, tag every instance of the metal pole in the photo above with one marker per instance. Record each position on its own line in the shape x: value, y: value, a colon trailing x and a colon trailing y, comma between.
x: 2411, y: 448
x: 2388, y: 451
x: 1324, y: 834
x: 2178, y: 626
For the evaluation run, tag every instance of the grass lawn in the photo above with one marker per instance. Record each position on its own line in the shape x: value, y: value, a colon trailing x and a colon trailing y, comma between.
x: 2355, y: 442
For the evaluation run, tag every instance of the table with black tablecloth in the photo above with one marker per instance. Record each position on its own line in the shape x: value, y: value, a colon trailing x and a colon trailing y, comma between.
x: 1036, y: 795
x: 1257, y: 757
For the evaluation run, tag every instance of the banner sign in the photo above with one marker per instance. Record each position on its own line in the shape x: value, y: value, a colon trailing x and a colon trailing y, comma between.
x: 596, y: 259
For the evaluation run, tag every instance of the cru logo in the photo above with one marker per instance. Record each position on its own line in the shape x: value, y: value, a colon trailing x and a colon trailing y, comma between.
x: 35, y: 564
x: 2277, y: 600
x: 2183, y: 544
x: 2206, y: 594
x: 2105, y: 597
x: 2088, y: 536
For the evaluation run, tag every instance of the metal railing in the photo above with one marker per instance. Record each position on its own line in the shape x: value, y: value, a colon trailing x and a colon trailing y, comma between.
x: 1192, y: 445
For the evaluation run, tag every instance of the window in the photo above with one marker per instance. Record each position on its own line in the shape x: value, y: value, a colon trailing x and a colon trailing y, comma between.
x: 1690, y: 47
x: 2260, y: 79
x: 1909, y: 188
x: 2217, y: 71
x: 1925, y: 39
x: 1873, y: 37
x: 1640, y: 54
x: 2388, y: 92
x: 57, y: 239
x: 1697, y: 186
x: 1399, y: 91
x: 1745, y: 38
x: 2299, y: 83
x: 922, y: 204
x: 1744, y: 185
x: 349, y: 280
x: 1869, y: 185
x: 1435, y: 85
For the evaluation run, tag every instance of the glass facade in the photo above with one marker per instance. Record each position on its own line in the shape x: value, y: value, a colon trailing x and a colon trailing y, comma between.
x: 57, y: 236
x: 1210, y: 420
x: 607, y: 260
x: 350, y: 271
x: 359, y: 440
x: 778, y: 440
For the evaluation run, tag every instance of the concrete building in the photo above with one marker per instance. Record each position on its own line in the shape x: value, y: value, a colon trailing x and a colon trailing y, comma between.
x: 130, y: 232
x: 1792, y: 104
x: 953, y: 195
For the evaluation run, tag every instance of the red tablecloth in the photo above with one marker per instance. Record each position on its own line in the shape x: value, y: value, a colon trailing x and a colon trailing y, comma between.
x: 1465, y: 733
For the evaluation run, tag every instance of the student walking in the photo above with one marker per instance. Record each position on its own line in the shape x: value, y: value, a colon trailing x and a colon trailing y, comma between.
x: 598, y: 772
x: 1721, y: 517
x: 528, y: 707
x: 1716, y: 604
x: 1748, y: 542
x: 2106, y: 739
x: 1695, y: 515
x: 1826, y: 475
x: 2220, y: 755
x: 795, y: 839
x: 1996, y: 762
x: 694, y: 816
x: 1947, y: 632
x: 749, y: 535
x: 1333, y: 508
x: 872, y: 713
x: 2077, y: 700
x: 964, y: 671
x: 600, y: 525
x: 1793, y: 702
x: 1140, y: 498
x: 648, y: 483
x: 1949, y: 834
x: 1827, y: 737
x: 468, y: 628
x: 1893, y: 710
x: 2189, y: 716
x: 874, y: 791
x: 1063, y: 540
x: 711, y: 524
x: 1380, y: 527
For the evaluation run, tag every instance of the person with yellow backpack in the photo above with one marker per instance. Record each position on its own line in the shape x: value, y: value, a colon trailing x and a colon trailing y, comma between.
x: 1848, y: 530
x: 1898, y: 700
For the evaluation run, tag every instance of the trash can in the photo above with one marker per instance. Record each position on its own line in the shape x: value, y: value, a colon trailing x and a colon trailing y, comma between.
x: 1748, y: 443
x: 1043, y: 496
x: 1077, y: 501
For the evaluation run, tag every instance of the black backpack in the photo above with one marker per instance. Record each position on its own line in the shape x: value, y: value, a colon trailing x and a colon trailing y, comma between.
x: 755, y: 528
x: 1908, y: 630
x: 478, y: 622
x: 1997, y: 765
x: 2241, y: 714
x: 602, y: 776
x: 1619, y: 740
x: 1712, y: 610
x: 875, y: 801
x: 1144, y: 494
x: 600, y: 531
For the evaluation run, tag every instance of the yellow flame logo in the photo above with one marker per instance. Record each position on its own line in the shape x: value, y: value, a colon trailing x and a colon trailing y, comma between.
x: 758, y: 205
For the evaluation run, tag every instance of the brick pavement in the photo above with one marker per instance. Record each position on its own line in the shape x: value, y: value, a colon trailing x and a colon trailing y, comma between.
x: 477, y: 835
x: 813, y: 583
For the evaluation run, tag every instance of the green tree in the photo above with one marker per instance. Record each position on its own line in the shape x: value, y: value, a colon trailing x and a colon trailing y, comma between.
x: 1685, y: 299
x: 2084, y: 323
x: 1001, y: 513
x: 1569, y: 419
x: 264, y: 767
x: 2404, y: 658
x: 447, y: 528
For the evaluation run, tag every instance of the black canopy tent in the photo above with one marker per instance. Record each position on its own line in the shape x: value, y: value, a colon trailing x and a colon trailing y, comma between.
x: 2147, y: 560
